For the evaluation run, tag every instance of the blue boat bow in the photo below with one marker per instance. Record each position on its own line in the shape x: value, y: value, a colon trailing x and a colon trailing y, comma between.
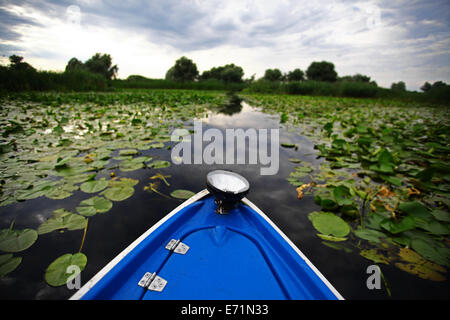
x: 194, y: 253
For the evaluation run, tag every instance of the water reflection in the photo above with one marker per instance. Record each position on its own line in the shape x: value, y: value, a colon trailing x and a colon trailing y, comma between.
x: 233, y: 106
x: 247, y: 117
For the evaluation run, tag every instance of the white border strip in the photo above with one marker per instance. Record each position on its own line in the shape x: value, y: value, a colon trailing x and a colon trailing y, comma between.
x: 80, y: 293
x: 313, y: 267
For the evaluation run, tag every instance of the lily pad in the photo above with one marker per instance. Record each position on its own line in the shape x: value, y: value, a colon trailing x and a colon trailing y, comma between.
x: 157, y: 164
x: 8, y: 263
x: 62, y: 219
x: 288, y: 145
x: 420, y: 267
x: 122, y: 182
x: 441, y: 215
x: 128, y: 152
x: 94, y: 205
x: 157, y: 145
x: 331, y: 238
x: 182, y: 194
x: 17, y: 240
x: 118, y: 193
x: 374, y: 255
x: 61, y: 192
x: 130, y: 165
x: 392, y: 226
x: 369, y: 234
x: 342, y: 195
x: 430, y: 252
x: 94, y: 186
x: 56, y: 274
x: 414, y: 209
x: 328, y: 223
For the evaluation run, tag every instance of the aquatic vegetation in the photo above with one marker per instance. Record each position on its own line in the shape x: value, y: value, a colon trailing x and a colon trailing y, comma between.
x: 55, y: 145
x: 8, y: 263
x: 17, y: 240
x: 94, y: 205
x: 386, y: 173
x: 381, y: 186
x: 62, y: 219
x: 56, y: 273
x: 182, y: 194
x: 328, y: 223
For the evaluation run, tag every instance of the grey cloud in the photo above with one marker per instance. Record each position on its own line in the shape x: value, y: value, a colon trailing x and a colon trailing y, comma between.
x: 8, y: 21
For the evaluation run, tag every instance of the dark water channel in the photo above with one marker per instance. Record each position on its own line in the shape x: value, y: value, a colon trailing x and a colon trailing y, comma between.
x: 109, y: 233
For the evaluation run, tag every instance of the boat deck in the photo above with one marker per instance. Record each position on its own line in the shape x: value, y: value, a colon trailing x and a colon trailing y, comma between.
x: 240, y: 255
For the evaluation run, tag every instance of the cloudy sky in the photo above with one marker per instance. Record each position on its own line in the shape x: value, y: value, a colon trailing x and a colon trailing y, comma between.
x: 388, y: 40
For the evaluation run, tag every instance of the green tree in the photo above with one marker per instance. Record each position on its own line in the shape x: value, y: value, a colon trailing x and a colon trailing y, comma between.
x: 273, y: 75
x: 74, y: 65
x: 227, y: 73
x: 321, y: 71
x: 16, y: 63
x: 399, y: 86
x: 102, y: 64
x: 183, y: 70
x: 426, y: 87
x: 356, y: 78
x: 295, y: 75
x: 438, y: 84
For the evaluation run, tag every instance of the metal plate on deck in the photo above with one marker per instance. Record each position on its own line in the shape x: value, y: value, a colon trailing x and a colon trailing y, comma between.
x: 152, y: 282
x: 157, y: 284
x: 177, y: 246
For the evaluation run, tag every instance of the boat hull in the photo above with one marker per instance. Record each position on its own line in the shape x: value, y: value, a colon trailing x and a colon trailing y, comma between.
x: 239, y: 255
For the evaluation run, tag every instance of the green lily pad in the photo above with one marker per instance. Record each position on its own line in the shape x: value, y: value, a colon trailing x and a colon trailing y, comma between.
x: 123, y: 182
x: 38, y: 190
x: 94, y: 205
x: 342, y: 195
x: 129, y: 165
x: 392, y: 226
x: 8, y: 263
x: 331, y: 238
x: 288, y: 145
x: 80, y: 177
x: 414, y: 209
x: 94, y: 186
x: 328, y: 223
x: 56, y: 274
x: 182, y: 194
x: 17, y: 240
x: 430, y: 252
x: 433, y: 226
x: 118, y: 193
x: 369, y: 234
x: 374, y: 255
x: 62, y: 219
x: 441, y: 215
x: 158, y: 145
x: 61, y: 192
x: 158, y: 164
x: 128, y: 152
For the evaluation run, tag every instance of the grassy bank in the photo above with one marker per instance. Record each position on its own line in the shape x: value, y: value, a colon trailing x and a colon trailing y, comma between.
x: 80, y: 80
x: 30, y: 79
x: 348, y: 89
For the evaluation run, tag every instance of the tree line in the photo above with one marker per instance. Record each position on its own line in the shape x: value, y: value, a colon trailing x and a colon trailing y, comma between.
x: 92, y: 75
x: 99, y: 73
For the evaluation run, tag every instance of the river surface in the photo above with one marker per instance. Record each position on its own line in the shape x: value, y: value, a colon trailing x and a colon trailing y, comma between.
x: 109, y: 233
